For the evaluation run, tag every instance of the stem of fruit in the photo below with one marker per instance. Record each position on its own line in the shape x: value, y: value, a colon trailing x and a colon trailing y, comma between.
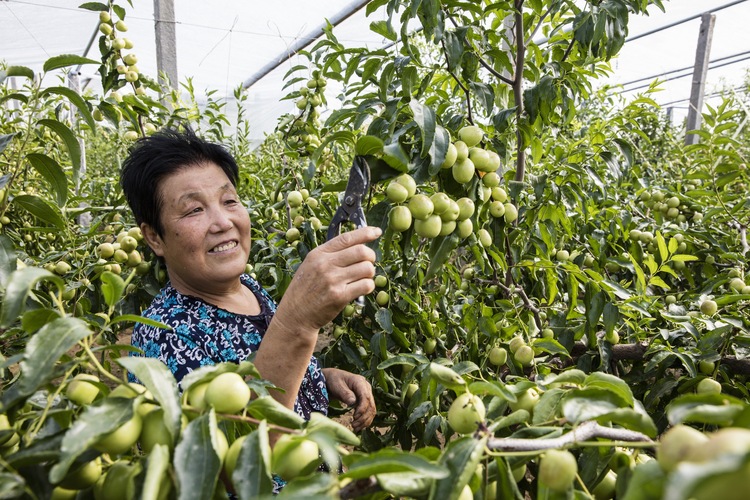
x: 245, y: 419
x: 50, y: 399
x: 57, y: 299
x: 583, y: 485
x: 463, y: 87
x: 484, y: 63
x: 35, y: 86
x: 95, y: 361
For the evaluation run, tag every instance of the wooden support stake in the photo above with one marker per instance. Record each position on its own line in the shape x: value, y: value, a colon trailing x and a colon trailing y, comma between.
x: 700, y: 70
x: 166, y: 42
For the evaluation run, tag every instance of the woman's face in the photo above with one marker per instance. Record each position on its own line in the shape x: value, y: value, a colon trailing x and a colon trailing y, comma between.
x: 206, y: 230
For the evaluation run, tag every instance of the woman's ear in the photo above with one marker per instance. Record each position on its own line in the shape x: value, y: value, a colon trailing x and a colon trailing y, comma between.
x: 152, y: 239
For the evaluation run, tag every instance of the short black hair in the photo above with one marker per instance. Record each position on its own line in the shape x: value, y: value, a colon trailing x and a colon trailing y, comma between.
x: 157, y: 156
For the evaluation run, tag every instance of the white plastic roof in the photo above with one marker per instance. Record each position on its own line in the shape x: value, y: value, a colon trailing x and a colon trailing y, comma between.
x: 221, y: 43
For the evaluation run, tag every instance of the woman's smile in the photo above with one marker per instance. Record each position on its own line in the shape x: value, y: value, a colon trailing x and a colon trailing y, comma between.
x: 224, y: 247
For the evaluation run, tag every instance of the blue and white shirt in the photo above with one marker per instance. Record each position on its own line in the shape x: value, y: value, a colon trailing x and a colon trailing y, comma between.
x: 203, y: 334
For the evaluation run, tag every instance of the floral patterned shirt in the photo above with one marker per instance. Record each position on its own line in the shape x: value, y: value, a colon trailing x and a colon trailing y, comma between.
x: 203, y: 334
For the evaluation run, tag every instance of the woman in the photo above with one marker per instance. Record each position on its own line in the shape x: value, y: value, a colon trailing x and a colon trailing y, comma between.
x: 182, y: 191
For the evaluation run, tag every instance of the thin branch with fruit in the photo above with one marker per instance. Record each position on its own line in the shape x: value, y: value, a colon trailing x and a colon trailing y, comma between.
x: 459, y: 83
x: 584, y: 432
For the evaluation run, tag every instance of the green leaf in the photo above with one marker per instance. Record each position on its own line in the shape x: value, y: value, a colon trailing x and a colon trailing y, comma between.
x: 8, y: 260
x: 573, y: 377
x: 157, y: 378
x: 65, y: 60
x: 439, y: 149
x: 19, y: 71
x: 548, y: 406
x: 395, y: 157
x: 41, y: 450
x: 630, y: 419
x: 311, y: 487
x: 389, y: 461
x: 506, y: 483
x: 594, y: 307
x: 41, y: 209
x: 551, y: 346
x: 94, y: 422
x: 425, y: 119
x: 647, y: 482
x: 52, y: 173
x: 384, y: 317
x: 610, y: 383
x: 446, y: 376
x: 4, y: 141
x: 404, y: 484
x: 461, y: 458
x: 484, y: 94
x: 268, y: 408
x: 717, y: 478
x: 75, y: 99
x: 157, y: 467
x: 95, y: 6
x: 611, y: 317
x: 195, y: 460
x: 252, y: 474
x: 320, y: 423
x: 70, y: 140
x: 712, y: 409
x: 41, y: 355
x: 134, y: 318
x: 33, y: 320
x: 683, y: 257
x: 112, y: 287
x: 343, y: 136
x: 445, y: 248
x: 384, y: 29
x: 368, y: 145
x: 11, y: 485
x: 663, y: 252
x: 494, y: 388
x: 587, y: 404
x: 19, y: 285
x: 419, y: 412
x: 657, y: 281
x: 673, y: 245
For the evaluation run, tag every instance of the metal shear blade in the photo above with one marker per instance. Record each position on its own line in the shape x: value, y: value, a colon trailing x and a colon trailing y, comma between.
x: 350, y: 209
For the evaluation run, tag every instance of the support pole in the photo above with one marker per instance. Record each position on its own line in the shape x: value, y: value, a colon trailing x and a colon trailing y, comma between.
x: 166, y: 42
x: 303, y: 42
x: 700, y: 70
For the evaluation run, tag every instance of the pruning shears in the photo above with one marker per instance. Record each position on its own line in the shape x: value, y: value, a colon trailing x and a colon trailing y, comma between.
x: 350, y: 209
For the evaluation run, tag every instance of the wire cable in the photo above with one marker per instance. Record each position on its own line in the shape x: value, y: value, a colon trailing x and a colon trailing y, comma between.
x: 687, y: 19
x: 645, y: 78
x: 709, y: 96
x: 682, y: 76
x: 193, y: 25
x: 27, y: 30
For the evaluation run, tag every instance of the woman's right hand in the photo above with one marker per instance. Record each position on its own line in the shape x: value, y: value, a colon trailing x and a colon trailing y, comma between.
x: 330, y: 277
